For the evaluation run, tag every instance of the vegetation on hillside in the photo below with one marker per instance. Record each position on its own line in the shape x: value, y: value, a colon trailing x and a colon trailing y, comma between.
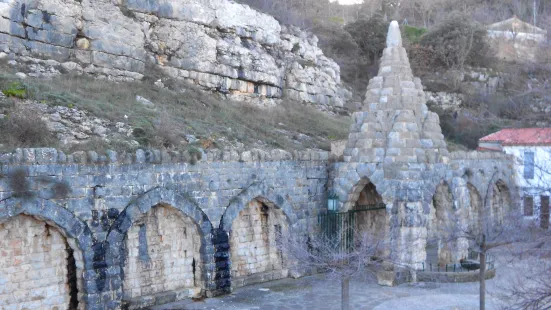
x: 438, y: 34
x: 180, y: 110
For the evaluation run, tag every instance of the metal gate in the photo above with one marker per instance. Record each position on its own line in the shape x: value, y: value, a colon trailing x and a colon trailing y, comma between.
x: 339, y: 227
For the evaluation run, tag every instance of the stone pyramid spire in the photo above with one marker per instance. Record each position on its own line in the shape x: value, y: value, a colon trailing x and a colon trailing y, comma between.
x: 395, y: 126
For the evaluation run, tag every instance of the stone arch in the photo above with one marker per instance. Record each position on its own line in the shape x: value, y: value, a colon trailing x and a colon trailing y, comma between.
x: 501, y: 202
x: 374, y: 223
x: 266, y: 193
x: 162, y: 255
x: 356, y: 191
x: 140, y: 210
x: 253, y: 239
x: 54, y: 234
x: 476, y: 210
x: 440, y: 225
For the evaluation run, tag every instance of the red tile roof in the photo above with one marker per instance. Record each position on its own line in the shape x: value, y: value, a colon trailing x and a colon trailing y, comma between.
x: 520, y: 136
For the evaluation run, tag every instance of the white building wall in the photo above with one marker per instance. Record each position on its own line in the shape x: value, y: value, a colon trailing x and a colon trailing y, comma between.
x: 520, y: 36
x: 540, y: 185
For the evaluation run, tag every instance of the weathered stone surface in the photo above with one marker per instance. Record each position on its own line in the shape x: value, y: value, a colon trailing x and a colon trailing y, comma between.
x: 253, y: 244
x: 29, y: 243
x: 112, y: 195
x: 396, y: 156
x: 219, y: 45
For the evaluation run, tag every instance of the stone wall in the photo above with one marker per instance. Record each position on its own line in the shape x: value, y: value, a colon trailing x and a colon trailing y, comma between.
x: 255, y: 256
x: 163, y: 256
x: 112, y: 196
x: 397, y: 150
x: 454, y: 277
x: 28, y: 244
x: 219, y: 45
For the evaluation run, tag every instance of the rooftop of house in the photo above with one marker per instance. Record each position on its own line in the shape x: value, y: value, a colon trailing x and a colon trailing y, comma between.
x: 516, y: 25
x: 520, y: 136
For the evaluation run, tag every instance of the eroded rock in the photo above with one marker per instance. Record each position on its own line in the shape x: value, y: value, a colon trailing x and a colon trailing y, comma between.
x: 218, y: 45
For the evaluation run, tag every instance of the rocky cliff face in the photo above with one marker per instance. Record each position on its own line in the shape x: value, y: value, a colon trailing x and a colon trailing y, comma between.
x: 217, y: 44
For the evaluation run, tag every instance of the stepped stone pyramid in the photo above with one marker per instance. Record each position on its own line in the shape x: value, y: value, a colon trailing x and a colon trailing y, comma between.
x: 396, y: 127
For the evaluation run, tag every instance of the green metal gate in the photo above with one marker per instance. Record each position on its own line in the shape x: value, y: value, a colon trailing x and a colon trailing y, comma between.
x: 339, y: 227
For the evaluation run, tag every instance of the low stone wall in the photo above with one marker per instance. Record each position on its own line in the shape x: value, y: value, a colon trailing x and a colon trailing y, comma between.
x: 110, y: 213
x: 453, y: 277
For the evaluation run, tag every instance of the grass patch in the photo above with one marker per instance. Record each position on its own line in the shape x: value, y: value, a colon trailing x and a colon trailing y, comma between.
x: 193, y: 111
x: 15, y: 89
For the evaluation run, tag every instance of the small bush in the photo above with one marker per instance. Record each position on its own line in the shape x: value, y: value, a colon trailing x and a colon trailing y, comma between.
x: 25, y: 128
x: 413, y: 34
x: 370, y: 35
x: 195, y: 152
x: 458, y: 41
x: 15, y: 89
x: 143, y: 136
x: 423, y: 59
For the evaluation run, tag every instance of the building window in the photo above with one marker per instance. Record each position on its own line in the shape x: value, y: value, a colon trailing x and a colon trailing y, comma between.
x: 528, y: 165
x: 528, y: 205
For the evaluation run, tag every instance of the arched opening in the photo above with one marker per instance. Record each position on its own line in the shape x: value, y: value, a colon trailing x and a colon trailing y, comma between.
x: 255, y: 255
x: 39, y: 266
x: 162, y: 255
x: 441, y: 226
x: 370, y: 217
x: 476, y: 210
x: 501, y: 203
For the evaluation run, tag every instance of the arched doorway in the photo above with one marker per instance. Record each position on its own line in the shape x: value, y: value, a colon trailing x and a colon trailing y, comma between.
x: 370, y: 217
x: 38, y: 266
x: 255, y: 255
x: 441, y: 226
x: 162, y: 255
x: 501, y: 203
x: 476, y: 213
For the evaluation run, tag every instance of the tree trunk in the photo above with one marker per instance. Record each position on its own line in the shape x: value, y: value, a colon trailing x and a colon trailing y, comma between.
x: 345, y: 293
x: 483, y: 273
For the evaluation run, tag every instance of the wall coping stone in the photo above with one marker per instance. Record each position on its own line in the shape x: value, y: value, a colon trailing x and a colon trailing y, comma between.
x: 43, y: 156
x: 478, y: 155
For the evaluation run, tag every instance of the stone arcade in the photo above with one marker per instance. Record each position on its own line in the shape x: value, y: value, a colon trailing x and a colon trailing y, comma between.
x: 146, y: 228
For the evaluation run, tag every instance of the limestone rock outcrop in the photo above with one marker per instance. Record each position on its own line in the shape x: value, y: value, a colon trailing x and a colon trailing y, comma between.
x: 217, y: 44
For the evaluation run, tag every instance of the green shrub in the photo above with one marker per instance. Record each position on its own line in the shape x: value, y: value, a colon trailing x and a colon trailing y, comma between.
x: 458, y: 41
x: 195, y: 152
x: 15, y: 89
x: 337, y: 20
x: 413, y: 34
x: 143, y: 136
x: 370, y: 35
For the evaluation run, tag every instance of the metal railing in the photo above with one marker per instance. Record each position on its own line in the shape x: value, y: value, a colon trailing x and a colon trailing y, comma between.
x: 457, y: 267
x: 341, y: 226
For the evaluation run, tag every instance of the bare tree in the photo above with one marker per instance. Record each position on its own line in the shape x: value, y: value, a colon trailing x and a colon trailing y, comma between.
x: 335, y: 255
x: 491, y: 221
x: 531, y: 289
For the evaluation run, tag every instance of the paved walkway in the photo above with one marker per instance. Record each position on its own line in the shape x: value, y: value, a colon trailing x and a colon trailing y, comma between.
x: 317, y: 292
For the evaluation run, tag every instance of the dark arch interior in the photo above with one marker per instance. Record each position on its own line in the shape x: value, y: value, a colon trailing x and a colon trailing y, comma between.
x: 439, y: 226
x: 369, y: 214
x: 501, y: 203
